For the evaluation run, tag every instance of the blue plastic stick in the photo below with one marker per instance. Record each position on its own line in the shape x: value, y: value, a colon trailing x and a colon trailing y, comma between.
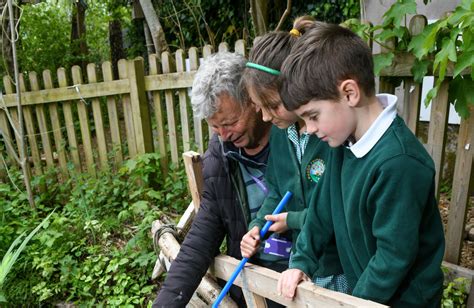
x: 237, y: 270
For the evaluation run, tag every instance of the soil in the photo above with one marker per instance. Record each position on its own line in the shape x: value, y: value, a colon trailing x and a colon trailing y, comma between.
x: 467, y: 251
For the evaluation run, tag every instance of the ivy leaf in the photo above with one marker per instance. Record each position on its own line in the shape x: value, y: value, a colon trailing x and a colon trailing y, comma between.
x: 447, y: 52
x: 425, y: 42
x: 397, y: 12
x: 465, y: 60
x: 381, y: 61
x: 419, y: 69
x: 431, y: 93
x: 461, y: 95
x: 389, y: 33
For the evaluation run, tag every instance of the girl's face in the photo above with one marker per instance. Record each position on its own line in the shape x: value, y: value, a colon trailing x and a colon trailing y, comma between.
x: 269, y: 102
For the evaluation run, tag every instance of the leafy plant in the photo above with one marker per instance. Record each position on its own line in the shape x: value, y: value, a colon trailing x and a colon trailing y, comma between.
x: 448, y: 40
x: 10, y: 258
x: 96, y: 249
x: 455, y: 293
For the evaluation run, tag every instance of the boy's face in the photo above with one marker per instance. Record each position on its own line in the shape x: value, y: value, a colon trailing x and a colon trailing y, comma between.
x: 331, y: 121
x: 272, y: 110
x: 240, y: 125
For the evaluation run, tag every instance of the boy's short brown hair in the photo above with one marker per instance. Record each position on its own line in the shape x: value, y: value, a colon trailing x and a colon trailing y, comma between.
x: 324, y: 57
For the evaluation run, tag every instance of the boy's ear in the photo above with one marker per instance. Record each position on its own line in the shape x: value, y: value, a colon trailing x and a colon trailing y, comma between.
x: 349, y: 92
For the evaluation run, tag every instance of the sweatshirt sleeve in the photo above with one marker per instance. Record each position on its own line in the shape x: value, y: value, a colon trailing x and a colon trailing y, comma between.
x: 295, y: 220
x: 316, y: 232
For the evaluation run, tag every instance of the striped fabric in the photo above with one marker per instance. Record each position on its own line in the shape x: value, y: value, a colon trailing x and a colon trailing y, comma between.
x: 299, y: 142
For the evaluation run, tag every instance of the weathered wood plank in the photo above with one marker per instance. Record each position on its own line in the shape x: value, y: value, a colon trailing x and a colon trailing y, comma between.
x: 169, y: 81
x: 113, y: 117
x: 70, y: 93
x: 140, y: 110
x: 197, y: 123
x: 463, y: 175
x: 223, y: 46
x: 193, y: 167
x: 56, y: 125
x: 42, y: 124
x: 69, y: 122
x: 252, y: 299
x: 6, y: 135
x: 455, y: 271
x: 170, y: 247
x: 83, y: 113
x: 127, y: 110
x: 263, y: 282
x: 14, y: 122
x: 241, y: 48
x: 31, y: 134
x: 155, y: 69
x: 206, y: 52
x: 410, y: 107
x: 167, y: 66
x: 437, y: 130
x: 403, y: 63
x: 98, y: 121
x: 183, y: 101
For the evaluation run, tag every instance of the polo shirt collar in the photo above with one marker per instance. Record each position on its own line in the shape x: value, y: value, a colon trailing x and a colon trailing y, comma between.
x: 378, y: 128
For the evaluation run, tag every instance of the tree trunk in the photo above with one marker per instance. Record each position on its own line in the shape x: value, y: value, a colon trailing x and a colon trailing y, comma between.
x: 117, y: 51
x: 156, y: 30
x: 259, y: 10
x: 78, y: 34
x: 150, y: 47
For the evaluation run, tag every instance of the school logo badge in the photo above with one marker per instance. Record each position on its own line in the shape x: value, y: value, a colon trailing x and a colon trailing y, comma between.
x: 315, y: 170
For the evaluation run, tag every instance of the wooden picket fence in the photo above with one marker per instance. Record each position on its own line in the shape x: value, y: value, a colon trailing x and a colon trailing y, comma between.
x: 95, y: 125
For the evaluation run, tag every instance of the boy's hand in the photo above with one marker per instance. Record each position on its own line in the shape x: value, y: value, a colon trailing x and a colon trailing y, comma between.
x: 288, y: 282
x: 279, y: 222
x: 250, y: 243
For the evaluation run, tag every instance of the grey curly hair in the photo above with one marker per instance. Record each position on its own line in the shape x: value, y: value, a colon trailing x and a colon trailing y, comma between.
x: 218, y: 74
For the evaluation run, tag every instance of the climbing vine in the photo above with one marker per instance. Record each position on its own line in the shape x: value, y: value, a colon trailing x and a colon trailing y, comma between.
x: 445, y: 43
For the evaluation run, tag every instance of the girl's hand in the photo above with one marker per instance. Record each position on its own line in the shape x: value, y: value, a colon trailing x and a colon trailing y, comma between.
x: 279, y: 222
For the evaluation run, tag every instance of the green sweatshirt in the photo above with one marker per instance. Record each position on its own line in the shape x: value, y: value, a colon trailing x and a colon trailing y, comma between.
x: 386, y: 221
x: 285, y: 174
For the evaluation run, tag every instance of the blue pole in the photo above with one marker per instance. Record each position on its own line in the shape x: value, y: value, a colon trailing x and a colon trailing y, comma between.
x: 264, y: 230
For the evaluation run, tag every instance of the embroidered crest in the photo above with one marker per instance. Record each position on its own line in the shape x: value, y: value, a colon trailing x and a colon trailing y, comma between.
x: 315, y: 170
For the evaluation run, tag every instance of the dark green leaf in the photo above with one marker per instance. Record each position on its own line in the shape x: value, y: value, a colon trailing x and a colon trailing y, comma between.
x: 381, y: 61
x: 419, y: 69
x: 397, y: 12
x: 461, y: 94
x: 465, y: 60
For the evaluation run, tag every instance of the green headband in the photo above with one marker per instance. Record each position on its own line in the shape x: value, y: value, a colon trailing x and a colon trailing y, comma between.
x: 262, y: 68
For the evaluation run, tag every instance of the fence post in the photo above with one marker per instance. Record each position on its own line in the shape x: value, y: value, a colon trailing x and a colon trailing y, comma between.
x: 412, y: 90
x: 140, y: 109
x: 437, y: 130
x: 463, y: 174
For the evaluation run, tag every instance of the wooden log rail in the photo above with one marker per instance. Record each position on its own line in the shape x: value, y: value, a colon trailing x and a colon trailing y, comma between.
x: 258, y: 282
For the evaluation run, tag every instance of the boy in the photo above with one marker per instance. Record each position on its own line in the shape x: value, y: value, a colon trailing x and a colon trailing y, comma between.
x: 383, y: 209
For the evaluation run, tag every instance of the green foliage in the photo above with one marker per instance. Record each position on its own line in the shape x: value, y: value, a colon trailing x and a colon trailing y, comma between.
x: 455, y: 293
x: 45, y: 33
x: 11, y: 256
x: 196, y: 22
x: 96, y: 249
x: 44, y: 37
x: 448, y: 40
